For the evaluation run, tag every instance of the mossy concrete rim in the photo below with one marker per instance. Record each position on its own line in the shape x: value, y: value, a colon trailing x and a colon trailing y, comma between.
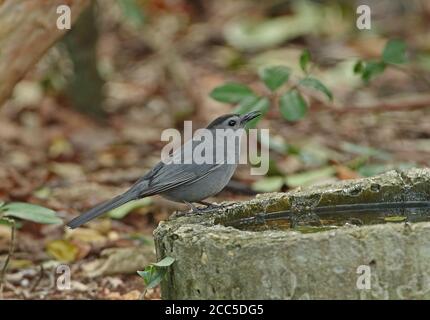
x: 392, y: 186
x: 221, y: 262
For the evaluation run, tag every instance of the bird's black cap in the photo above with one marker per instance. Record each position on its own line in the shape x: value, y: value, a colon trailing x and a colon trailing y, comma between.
x: 221, y: 119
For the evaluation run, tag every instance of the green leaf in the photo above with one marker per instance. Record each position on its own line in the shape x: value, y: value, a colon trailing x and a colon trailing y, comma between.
x: 231, y: 92
x: 366, y: 151
x: 268, y: 184
x: 369, y: 170
x: 305, y: 57
x: 358, y: 67
x: 5, y: 221
x: 310, y: 177
x: 31, y: 212
x: 371, y: 69
x: 253, y: 103
x: 394, y: 52
x: 274, y: 77
x: 154, y: 273
x: 249, y: 104
x: 261, y: 105
x: 152, y: 276
x: 132, y: 11
x: 144, y: 274
x: 10, y: 222
x: 317, y: 85
x: 167, y: 261
x: 246, y: 104
x: 1, y: 204
x: 293, y: 106
x: 125, y: 209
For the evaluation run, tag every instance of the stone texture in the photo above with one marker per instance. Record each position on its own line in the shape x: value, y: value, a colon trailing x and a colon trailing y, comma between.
x: 215, y: 261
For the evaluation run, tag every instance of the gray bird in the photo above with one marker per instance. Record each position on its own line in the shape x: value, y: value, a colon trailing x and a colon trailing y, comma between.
x: 183, y: 182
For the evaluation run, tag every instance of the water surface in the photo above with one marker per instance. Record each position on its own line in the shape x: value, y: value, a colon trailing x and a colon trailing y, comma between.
x: 325, y: 218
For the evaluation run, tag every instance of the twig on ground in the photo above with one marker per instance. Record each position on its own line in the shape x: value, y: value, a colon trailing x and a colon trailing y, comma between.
x: 39, y: 278
x: 9, y: 255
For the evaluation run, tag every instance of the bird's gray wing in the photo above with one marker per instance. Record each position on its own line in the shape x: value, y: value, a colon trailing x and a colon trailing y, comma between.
x: 178, y: 169
x: 163, y: 180
x: 164, y: 177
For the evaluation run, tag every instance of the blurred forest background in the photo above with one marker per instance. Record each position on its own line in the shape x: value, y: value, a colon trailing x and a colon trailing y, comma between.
x: 85, y: 121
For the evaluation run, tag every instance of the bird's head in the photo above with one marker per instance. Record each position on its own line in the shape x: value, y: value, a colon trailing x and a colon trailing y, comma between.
x: 233, y: 121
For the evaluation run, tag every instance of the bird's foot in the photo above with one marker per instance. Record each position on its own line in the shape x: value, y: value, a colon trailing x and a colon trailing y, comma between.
x: 180, y: 214
x: 198, y: 210
x: 193, y: 208
x: 212, y: 206
x: 209, y: 205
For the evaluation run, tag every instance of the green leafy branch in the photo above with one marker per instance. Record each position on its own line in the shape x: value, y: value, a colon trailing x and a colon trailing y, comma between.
x: 291, y: 101
x: 25, y: 211
x: 3, y: 271
x: 393, y: 55
x: 154, y: 273
x: 30, y: 212
x: 292, y: 104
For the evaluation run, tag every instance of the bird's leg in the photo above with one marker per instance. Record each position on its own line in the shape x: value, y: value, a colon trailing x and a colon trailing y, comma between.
x: 207, y: 204
x: 211, y: 205
x: 196, y: 210
x: 193, y: 208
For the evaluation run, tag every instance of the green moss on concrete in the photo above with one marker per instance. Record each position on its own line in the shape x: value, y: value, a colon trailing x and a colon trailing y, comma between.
x: 219, y: 262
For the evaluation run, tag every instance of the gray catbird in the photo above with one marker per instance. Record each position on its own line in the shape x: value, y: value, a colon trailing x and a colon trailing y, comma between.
x: 182, y: 181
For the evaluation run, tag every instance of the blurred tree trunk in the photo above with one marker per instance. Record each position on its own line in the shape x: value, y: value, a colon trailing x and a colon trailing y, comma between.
x: 85, y: 86
x: 28, y: 28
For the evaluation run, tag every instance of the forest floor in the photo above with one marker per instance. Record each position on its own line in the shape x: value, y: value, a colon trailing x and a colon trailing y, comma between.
x: 52, y: 155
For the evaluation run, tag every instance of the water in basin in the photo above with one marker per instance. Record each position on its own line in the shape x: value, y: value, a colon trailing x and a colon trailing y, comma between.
x: 331, y: 217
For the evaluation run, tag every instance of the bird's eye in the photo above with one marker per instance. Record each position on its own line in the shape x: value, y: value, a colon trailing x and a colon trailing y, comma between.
x: 232, y: 123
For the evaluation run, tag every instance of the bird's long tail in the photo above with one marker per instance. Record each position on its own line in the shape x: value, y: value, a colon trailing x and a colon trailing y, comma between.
x: 102, y: 208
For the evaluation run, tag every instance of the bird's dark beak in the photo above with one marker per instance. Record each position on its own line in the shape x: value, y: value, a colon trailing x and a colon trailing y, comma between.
x: 249, y: 116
